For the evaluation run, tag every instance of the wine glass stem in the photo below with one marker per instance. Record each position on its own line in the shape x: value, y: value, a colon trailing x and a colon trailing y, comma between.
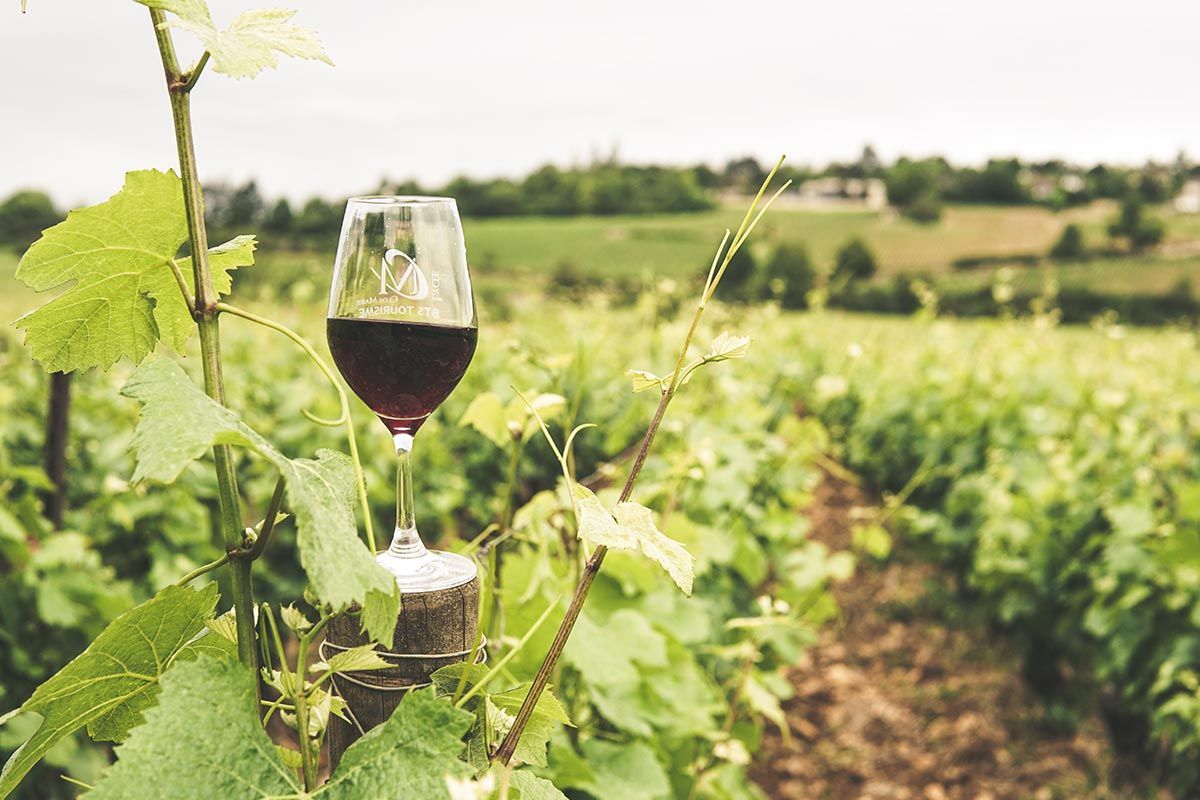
x: 406, y: 542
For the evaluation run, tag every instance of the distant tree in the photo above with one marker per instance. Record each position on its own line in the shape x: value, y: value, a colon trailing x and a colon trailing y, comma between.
x: 279, y: 219
x: 706, y: 176
x: 854, y: 262
x: 926, y: 209
x: 550, y: 191
x: 245, y: 207
x: 743, y: 174
x: 869, y: 163
x: 1132, y: 225
x: 318, y: 218
x: 788, y: 276
x: 23, y: 217
x: 915, y: 188
x: 1104, y: 181
x: 998, y: 182
x: 739, y: 280
x: 1151, y: 188
x: 1070, y: 245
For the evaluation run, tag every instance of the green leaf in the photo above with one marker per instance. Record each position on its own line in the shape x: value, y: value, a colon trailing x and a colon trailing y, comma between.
x: 175, y: 755
x: 111, y: 683
x: 763, y: 702
x: 486, y: 415
x: 294, y: 618
x: 530, y: 787
x: 548, y: 715
x: 357, y: 659
x: 872, y: 539
x: 340, y: 568
x: 502, y: 423
x: 251, y: 41
x: 407, y: 756
x: 124, y: 298
x: 624, y: 772
x: 727, y: 346
x: 643, y: 380
x: 548, y: 712
x: 203, y: 740
x: 631, y: 527
x: 608, y: 654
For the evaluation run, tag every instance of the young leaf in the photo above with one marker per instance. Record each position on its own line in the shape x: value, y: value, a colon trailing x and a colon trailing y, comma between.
x: 357, y: 659
x: 124, y: 298
x: 111, y: 683
x: 202, y: 740
x: 726, y: 346
x: 643, y: 380
x: 294, y: 618
x: 631, y: 527
x: 251, y: 41
x: 340, y: 568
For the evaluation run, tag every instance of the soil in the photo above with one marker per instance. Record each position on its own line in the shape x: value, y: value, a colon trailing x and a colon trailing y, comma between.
x: 897, y: 702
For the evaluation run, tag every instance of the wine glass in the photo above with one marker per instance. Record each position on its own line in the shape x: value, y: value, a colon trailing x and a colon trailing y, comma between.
x: 402, y: 330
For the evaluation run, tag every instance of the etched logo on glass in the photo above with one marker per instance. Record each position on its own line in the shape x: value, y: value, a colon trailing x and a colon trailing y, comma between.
x: 411, y: 283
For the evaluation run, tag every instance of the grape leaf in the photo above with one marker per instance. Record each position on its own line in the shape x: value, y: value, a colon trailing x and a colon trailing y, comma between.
x: 356, y: 659
x: 110, y: 684
x: 624, y: 772
x: 631, y: 527
x: 202, y: 740
x: 608, y: 654
x: 530, y: 787
x: 727, y: 346
x: 124, y: 298
x: 176, y: 756
x: 407, y: 756
x: 251, y: 41
x: 548, y: 712
x: 340, y: 568
x: 643, y: 380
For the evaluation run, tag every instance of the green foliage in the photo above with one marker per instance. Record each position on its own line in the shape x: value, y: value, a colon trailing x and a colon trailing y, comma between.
x: 340, y: 569
x: 111, y: 684
x: 1070, y: 245
x: 1134, y: 227
x: 23, y: 217
x: 1057, y: 479
x: 915, y: 188
x: 854, y: 262
x: 788, y: 276
x: 176, y: 754
x: 124, y: 298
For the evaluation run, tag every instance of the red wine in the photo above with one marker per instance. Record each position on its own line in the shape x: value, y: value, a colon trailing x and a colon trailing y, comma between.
x: 401, y: 370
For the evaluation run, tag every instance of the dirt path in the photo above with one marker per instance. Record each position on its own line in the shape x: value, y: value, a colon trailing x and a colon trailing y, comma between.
x: 896, y: 703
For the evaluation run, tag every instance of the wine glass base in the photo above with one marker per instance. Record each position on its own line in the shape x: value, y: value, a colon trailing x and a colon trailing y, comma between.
x: 429, y: 572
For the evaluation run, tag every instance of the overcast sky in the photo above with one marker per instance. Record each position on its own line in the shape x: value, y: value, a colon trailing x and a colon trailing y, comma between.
x: 435, y: 88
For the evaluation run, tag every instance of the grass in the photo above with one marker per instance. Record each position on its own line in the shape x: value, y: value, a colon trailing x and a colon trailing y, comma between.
x: 678, y: 245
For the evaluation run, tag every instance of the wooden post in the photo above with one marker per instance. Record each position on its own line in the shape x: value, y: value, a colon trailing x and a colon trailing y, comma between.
x: 55, y: 453
x: 434, y: 630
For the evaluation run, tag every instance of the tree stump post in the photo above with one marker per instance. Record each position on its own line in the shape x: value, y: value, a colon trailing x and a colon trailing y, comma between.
x: 435, y: 629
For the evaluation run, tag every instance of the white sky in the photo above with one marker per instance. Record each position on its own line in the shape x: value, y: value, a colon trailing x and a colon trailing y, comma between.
x: 435, y: 88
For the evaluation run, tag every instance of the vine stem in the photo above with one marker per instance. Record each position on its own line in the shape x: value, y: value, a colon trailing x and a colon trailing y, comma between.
x: 591, y: 568
x: 204, y: 306
x: 342, y: 419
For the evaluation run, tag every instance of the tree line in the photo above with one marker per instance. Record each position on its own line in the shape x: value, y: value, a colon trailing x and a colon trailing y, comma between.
x: 917, y: 187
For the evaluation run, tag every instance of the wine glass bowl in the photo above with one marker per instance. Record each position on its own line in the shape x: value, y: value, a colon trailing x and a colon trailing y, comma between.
x: 402, y: 331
